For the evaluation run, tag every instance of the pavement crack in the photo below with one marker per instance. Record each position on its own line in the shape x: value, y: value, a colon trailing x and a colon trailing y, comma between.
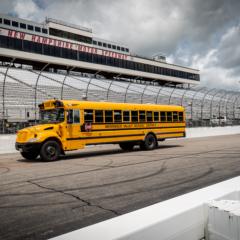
x: 4, y: 170
x: 87, y: 203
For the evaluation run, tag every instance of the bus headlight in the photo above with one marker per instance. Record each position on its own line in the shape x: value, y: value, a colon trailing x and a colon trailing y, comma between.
x: 31, y: 140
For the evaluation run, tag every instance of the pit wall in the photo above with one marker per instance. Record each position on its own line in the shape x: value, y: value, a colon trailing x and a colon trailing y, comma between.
x: 181, y: 218
x: 212, y: 131
x: 7, y: 142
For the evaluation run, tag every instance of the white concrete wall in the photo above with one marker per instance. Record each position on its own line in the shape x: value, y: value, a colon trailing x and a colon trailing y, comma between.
x: 7, y: 142
x: 212, y: 131
x: 180, y: 218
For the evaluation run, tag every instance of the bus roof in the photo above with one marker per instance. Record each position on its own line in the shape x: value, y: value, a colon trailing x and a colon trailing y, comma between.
x: 116, y: 106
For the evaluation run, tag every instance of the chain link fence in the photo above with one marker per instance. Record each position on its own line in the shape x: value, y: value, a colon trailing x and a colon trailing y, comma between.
x: 21, y: 91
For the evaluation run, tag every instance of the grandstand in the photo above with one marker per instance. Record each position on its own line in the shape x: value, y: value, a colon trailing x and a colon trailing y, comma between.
x: 26, y: 88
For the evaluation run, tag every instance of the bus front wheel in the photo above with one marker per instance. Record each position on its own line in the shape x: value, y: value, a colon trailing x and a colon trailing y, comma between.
x: 126, y: 146
x: 50, y: 151
x: 30, y: 155
x: 149, y: 143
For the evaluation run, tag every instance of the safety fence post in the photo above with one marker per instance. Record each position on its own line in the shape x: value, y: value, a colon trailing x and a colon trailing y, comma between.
x: 143, y: 93
x: 170, y: 96
x: 193, y: 97
x: 211, y: 105
x: 161, y: 88
x: 65, y: 77
x: 222, y: 97
x: 109, y: 87
x: 125, y: 96
x: 203, y: 100
x: 36, y: 85
x: 226, y: 107
x: 3, y: 95
x: 88, y: 88
x: 234, y: 107
x: 182, y: 98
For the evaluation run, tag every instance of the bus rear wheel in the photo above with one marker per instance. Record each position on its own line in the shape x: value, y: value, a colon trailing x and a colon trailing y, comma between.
x: 50, y: 151
x: 30, y: 155
x: 126, y: 146
x: 149, y: 143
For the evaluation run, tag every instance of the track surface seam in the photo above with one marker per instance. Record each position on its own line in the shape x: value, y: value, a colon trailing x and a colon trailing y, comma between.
x: 88, y: 203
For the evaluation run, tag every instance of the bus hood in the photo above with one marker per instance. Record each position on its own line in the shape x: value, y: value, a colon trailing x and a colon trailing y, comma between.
x: 31, y: 133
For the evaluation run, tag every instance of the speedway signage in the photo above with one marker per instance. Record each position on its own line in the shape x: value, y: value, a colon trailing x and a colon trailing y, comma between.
x: 61, y: 44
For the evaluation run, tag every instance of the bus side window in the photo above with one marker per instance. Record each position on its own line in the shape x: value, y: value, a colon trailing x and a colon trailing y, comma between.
x: 117, y: 116
x: 88, y: 115
x: 175, y: 116
x: 108, y: 116
x: 156, y: 116
x: 163, y: 116
x: 169, y: 116
x: 126, y: 116
x: 98, y: 116
x: 180, y: 116
x: 142, y: 116
x: 76, y: 116
x: 134, y: 115
x: 149, y: 117
x: 70, y: 116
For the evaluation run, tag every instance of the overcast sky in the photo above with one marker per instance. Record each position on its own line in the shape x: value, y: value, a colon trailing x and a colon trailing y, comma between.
x: 204, y: 34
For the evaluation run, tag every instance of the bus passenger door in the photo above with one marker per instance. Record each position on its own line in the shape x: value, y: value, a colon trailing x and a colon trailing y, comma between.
x: 74, y: 129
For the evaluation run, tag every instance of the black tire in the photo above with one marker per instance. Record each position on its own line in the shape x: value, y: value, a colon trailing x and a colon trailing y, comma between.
x: 149, y: 143
x: 126, y: 146
x: 30, y: 155
x: 50, y: 151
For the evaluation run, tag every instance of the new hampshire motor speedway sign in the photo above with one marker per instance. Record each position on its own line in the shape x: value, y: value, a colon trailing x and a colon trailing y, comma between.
x: 62, y: 44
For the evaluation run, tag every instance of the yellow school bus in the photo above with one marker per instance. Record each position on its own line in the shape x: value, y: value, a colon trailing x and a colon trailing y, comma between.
x: 70, y: 125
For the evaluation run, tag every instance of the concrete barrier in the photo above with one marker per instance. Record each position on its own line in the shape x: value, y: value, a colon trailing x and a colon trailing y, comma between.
x: 7, y: 143
x: 180, y: 218
x: 211, y: 131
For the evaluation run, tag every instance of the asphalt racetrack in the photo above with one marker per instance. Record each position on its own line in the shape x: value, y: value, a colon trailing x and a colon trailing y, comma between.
x: 39, y: 200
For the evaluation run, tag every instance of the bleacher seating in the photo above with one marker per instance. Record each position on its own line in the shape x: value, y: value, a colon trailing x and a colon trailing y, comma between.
x: 23, y: 85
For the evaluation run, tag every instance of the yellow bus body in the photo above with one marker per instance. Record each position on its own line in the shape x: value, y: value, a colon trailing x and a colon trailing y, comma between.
x: 99, y: 123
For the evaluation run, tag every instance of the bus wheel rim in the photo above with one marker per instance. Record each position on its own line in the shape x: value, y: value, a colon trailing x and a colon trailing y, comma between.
x: 151, y: 141
x: 51, y: 151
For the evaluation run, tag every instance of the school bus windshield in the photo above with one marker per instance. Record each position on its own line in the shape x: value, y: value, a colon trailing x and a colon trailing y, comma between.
x: 52, y: 116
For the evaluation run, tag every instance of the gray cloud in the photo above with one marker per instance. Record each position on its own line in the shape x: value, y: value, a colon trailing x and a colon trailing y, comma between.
x: 229, y: 49
x: 199, y: 33
x: 6, y: 6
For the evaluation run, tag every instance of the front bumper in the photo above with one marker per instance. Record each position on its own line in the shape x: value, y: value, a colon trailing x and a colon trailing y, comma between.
x: 27, y: 147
